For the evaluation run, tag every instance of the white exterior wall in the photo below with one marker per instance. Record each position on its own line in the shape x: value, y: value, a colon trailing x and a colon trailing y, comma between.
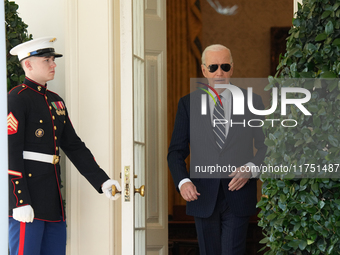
x: 85, y: 79
x: 47, y: 18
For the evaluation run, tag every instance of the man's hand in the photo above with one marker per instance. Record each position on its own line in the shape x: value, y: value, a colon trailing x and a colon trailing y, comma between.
x: 240, y: 178
x: 189, y: 192
x: 107, y: 189
x: 24, y: 213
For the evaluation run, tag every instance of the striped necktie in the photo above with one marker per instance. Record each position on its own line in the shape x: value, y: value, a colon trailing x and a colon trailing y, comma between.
x: 219, y: 127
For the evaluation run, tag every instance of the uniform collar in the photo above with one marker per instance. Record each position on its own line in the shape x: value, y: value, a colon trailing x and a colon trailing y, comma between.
x: 35, y: 86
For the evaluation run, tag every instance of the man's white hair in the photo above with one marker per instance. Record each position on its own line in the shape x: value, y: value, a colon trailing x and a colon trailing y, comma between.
x: 215, y: 47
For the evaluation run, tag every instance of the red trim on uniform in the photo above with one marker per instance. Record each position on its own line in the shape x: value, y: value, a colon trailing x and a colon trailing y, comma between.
x: 55, y: 167
x: 23, y: 89
x: 35, y: 82
x: 48, y: 220
x: 35, y: 90
x: 60, y: 197
x: 14, y: 88
x: 13, y: 181
x: 12, y: 124
x: 11, y: 172
x: 22, y: 238
x: 52, y: 92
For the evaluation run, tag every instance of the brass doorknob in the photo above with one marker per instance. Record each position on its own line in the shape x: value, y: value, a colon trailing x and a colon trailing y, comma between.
x: 114, y: 190
x: 141, y: 190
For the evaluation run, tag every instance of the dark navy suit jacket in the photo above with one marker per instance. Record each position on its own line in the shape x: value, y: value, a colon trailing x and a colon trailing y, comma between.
x: 193, y: 134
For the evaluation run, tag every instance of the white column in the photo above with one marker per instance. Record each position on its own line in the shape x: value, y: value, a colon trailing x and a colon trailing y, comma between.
x: 295, y: 6
x: 3, y: 141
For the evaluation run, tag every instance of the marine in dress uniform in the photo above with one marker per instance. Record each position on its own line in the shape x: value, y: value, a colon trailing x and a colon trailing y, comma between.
x: 38, y: 127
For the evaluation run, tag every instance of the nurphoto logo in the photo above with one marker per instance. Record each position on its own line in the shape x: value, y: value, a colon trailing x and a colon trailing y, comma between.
x: 238, y: 104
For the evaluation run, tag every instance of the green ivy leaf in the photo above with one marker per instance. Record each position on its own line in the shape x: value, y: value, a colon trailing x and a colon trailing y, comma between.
x: 271, y: 216
x: 264, y: 240
x: 328, y: 74
x: 269, y: 142
x: 302, y: 245
x: 299, y: 142
x: 281, y: 184
x: 322, y: 244
x: 336, y: 6
x: 309, y: 242
x: 329, y: 28
x: 333, y: 141
x: 315, y: 187
x: 303, y: 182
x: 321, y: 204
x: 294, y: 244
x: 333, y: 85
x: 306, y: 75
x: 296, y: 227
x: 336, y: 42
x: 325, y: 14
x: 320, y: 37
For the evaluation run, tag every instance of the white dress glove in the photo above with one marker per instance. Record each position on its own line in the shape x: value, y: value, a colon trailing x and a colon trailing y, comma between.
x: 24, y: 213
x: 107, y: 189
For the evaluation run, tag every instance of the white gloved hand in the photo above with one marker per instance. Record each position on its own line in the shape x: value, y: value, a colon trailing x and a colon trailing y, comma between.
x: 107, y: 189
x: 24, y: 213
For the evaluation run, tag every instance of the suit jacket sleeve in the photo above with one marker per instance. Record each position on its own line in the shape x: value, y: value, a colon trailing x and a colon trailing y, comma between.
x: 179, y: 145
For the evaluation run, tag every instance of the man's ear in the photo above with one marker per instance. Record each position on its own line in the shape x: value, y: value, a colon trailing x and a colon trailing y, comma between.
x: 27, y: 64
x: 204, y: 70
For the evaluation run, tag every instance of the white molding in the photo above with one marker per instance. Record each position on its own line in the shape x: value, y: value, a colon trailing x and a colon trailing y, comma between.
x: 115, y: 21
x: 90, y: 89
x: 72, y: 101
x: 126, y: 59
x: 295, y: 6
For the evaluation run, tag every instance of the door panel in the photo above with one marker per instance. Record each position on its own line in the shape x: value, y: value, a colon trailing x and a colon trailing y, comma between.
x: 143, y: 95
x: 156, y: 127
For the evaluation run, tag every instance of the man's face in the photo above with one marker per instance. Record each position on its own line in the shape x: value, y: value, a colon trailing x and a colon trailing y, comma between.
x: 42, y: 69
x: 213, y: 58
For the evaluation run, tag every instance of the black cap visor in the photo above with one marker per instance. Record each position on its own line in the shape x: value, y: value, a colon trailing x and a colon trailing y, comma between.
x: 44, y: 53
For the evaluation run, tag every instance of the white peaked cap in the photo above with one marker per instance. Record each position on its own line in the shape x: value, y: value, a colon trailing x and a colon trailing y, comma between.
x: 40, y: 47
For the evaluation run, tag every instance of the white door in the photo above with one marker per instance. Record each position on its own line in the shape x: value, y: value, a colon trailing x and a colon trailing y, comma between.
x: 143, y: 129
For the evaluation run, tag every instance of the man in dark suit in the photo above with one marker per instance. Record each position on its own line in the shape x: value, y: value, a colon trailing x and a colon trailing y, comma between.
x: 220, y: 201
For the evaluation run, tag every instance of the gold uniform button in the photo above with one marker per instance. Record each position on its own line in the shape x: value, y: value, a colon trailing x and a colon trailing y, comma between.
x: 53, y: 117
x: 41, y: 121
x: 55, y: 138
x: 21, y: 201
x: 17, y: 182
x: 55, y: 128
x: 19, y: 191
x: 64, y: 121
x: 56, y: 148
x: 29, y: 175
x: 23, y: 86
x: 46, y: 97
x: 50, y: 107
x: 39, y: 88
